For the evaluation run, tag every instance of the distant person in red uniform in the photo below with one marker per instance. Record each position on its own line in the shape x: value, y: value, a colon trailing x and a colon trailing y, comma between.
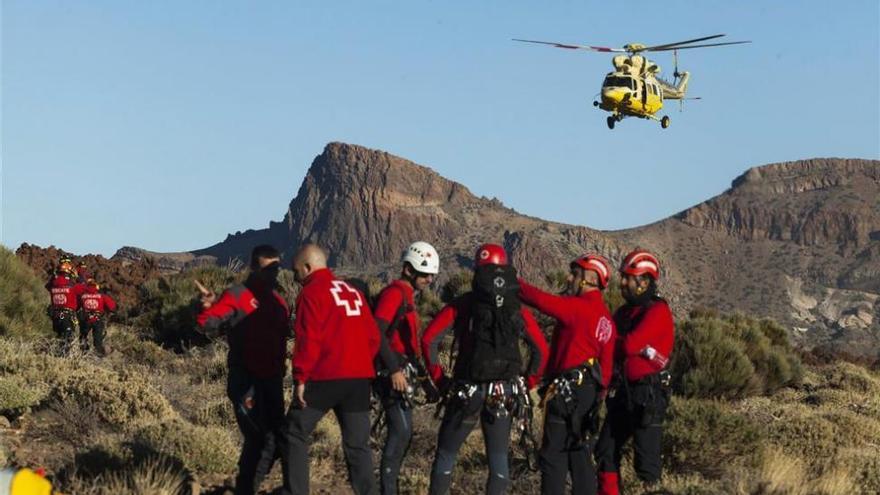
x: 487, y: 384
x: 399, y: 365
x: 639, y: 394
x: 336, y: 342
x: 256, y: 321
x: 65, y: 294
x: 579, y: 370
x: 94, y: 306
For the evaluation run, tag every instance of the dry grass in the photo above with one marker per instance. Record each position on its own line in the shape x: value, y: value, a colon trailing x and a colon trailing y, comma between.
x: 153, y: 477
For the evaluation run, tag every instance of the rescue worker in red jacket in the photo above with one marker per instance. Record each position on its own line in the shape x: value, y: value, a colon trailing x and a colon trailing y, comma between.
x: 257, y: 324
x: 94, y: 306
x: 336, y: 342
x: 65, y: 293
x: 469, y: 395
x: 639, y: 394
x: 579, y: 369
x: 399, y: 365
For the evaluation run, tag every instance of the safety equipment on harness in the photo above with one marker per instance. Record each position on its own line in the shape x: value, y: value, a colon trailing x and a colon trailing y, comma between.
x: 524, y: 415
x: 423, y: 258
x: 562, y: 390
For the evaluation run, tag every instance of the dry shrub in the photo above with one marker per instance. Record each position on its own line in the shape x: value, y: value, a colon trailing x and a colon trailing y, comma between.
x: 134, y: 348
x: 214, y: 412
x: 853, y: 378
x: 695, y: 424
x: 18, y: 397
x: 799, y: 432
x: 865, y: 469
x: 199, y: 448
x: 78, y: 421
x: 121, y: 399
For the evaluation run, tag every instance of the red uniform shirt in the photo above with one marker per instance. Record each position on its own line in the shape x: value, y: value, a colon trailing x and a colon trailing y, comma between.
x: 456, y: 315
x: 653, y: 327
x: 584, y: 329
x: 96, y: 304
x: 336, y: 335
x: 260, y: 326
x: 403, y: 335
x: 65, y: 292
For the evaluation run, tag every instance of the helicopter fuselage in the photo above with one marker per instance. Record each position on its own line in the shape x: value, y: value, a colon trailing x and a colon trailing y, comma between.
x: 631, y: 95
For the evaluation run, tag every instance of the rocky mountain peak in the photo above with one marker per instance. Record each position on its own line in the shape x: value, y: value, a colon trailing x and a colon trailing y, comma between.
x: 807, y: 175
x: 829, y: 202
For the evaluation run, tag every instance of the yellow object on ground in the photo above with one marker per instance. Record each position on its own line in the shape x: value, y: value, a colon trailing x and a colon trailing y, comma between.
x: 23, y: 482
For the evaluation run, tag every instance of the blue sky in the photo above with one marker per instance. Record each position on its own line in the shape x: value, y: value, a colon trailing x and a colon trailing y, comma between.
x: 167, y: 125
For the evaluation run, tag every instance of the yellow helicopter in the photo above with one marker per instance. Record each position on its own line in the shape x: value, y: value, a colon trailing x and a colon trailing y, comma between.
x: 633, y: 88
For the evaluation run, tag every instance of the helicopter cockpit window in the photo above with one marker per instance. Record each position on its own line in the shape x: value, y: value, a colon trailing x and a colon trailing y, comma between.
x: 618, y: 82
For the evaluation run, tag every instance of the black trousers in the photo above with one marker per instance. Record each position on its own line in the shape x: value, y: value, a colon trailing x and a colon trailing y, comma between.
x: 350, y: 402
x: 564, y: 450
x: 459, y: 420
x: 64, y: 325
x: 259, y: 412
x: 398, y: 420
x: 637, y: 410
x: 96, y: 327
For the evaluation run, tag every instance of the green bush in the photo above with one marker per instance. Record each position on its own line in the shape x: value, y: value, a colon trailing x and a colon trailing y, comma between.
x: 732, y: 357
x: 23, y: 299
x: 707, y: 437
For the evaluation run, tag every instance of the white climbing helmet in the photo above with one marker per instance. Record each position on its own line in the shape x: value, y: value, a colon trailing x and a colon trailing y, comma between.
x: 423, y: 257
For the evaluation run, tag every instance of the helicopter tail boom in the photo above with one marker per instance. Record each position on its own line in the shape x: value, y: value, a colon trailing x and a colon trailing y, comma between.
x: 676, y: 91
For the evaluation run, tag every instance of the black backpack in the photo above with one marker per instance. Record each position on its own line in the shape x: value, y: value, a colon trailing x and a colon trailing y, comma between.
x: 496, y: 324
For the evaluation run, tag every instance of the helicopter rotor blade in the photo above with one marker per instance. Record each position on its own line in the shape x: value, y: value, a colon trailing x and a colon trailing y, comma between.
x: 574, y: 47
x: 669, y: 45
x: 694, y: 46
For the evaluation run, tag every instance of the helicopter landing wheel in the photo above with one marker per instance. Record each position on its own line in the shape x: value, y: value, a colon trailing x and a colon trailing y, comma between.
x: 611, y: 120
x: 664, y: 122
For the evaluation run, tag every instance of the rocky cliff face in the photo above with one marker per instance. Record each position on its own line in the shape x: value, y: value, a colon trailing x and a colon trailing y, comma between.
x: 827, y: 202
